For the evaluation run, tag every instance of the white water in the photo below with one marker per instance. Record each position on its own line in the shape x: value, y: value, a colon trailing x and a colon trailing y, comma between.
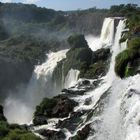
x: 40, y: 83
x: 93, y: 42
x: 106, y: 38
x: 120, y: 119
x: 20, y: 109
x: 71, y: 78
x: 107, y: 33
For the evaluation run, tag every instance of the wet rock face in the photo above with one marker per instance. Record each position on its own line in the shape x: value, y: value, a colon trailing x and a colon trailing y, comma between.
x: 2, y: 117
x: 51, y: 134
x: 76, y: 92
x: 40, y: 120
x: 82, y: 134
x: 72, y: 122
x: 57, y: 107
x: 63, y: 107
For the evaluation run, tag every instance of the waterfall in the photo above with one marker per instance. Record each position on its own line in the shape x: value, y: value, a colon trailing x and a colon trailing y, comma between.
x: 106, y: 38
x: 107, y: 33
x: 20, y: 109
x: 40, y: 83
x: 71, y: 78
x: 119, y: 121
x: 116, y: 49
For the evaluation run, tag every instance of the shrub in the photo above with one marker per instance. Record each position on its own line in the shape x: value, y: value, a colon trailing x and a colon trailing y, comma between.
x: 46, y: 104
x: 18, y: 134
x: 134, y: 43
x: 4, y: 130
x: 129, y: 71
x: 77, y: 41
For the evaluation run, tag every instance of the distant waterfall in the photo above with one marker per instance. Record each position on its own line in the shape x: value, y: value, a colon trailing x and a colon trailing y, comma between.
x: 106, y: 38
x: 107, y: 33
x: 20, y: 109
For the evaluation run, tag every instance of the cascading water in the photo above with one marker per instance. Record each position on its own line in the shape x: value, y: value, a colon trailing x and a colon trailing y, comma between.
x: 110, y: 118
x: 119, y: 121
x: 20, y: 109
x: 71, y: 78
x: 106, y: 38
x: 107, y: 33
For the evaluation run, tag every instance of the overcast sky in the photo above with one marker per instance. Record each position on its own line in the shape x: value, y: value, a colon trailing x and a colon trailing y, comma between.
x: 74, y: 4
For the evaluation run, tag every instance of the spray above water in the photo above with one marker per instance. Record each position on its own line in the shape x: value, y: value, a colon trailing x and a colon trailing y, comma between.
x: 93, y: 42
x: 20, y: 109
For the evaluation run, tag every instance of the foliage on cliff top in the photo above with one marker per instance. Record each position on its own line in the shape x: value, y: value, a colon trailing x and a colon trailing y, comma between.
x: 77, y: 41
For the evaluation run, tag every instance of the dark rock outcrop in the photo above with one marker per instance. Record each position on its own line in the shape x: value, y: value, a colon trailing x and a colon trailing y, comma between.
x: 52, y: 135
x: 63, y: 107
x: 72, y: 122
x: 82, y: 134
x: 40, y: 120
x: 74, y: 92
x: 2, y: 117
x: 57, y: 107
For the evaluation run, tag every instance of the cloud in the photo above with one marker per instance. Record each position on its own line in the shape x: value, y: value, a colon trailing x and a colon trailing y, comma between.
x: 24, y: 1
x: 6, y: 1
x: 31, y: 1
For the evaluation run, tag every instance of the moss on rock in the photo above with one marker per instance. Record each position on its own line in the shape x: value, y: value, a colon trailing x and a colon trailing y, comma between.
x: 124, y: 66
x: 57, y: 107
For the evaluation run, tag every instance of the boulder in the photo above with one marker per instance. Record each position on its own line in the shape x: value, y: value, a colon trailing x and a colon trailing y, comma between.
x: 63, y: 107
x: 40, y: 120
x: 58, y: 107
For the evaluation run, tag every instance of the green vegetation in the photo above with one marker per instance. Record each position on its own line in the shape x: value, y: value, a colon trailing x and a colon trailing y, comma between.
x: 127, y: 61
x: 124, y: 61
x: 134, y: 43
x: 77, y: 41
x: 46, y: 104
x: 15, y: 132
